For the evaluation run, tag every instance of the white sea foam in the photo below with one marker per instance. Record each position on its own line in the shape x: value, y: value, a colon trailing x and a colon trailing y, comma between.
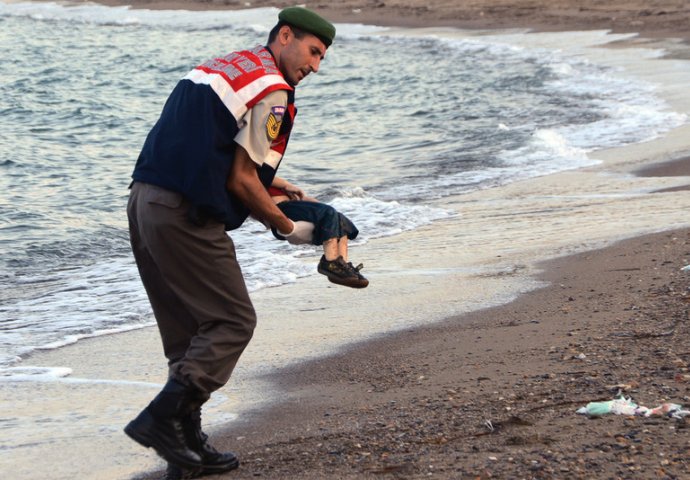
x: 377, y: 218
x: 548, y: 151
x: 61, y: 375
x: 633, y: 112
x: 33, y: 374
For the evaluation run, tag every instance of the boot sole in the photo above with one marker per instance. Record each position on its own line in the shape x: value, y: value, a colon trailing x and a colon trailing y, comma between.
x: 181, y: 473
x: 150, y: 441
x: 211, y: 470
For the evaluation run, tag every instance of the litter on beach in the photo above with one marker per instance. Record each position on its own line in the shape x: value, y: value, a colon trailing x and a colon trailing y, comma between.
x: 625, y: 406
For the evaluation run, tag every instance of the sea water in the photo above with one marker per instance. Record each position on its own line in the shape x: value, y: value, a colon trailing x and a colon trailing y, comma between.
x: 390, y: 126
x: 389, y: 123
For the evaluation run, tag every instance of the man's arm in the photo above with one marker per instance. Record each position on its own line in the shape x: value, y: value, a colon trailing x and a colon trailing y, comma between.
x: 244, y: 183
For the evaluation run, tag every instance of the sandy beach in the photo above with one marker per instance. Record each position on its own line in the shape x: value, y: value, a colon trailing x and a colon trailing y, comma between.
x: 416, y: 404
x: 600, y: 307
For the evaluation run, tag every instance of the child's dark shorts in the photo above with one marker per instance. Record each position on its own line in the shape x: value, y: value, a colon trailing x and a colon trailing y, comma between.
x: 328, y: 222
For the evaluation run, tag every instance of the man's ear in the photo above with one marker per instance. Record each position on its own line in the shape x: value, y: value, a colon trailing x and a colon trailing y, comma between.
x: 284, y: 34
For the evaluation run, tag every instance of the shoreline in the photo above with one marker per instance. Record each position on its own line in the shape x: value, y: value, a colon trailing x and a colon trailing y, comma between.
x: 388, y: 416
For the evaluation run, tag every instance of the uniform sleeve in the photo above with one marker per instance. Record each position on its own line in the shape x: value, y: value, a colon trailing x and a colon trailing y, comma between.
x: 261, y: 124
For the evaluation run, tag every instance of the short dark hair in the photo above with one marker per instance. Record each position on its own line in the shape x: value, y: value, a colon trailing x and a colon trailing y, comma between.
x: 299, y: 33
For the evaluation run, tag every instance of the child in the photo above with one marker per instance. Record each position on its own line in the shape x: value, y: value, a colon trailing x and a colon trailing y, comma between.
x: 332, y: 229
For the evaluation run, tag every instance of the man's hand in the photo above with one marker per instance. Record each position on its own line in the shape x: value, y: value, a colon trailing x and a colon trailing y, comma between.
x: 302, y: 232
x: 293, y: 192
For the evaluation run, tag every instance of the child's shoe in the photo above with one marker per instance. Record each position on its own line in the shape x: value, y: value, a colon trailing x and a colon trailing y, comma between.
x: 341, y: 272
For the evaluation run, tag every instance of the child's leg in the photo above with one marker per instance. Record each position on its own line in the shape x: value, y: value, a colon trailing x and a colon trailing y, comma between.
x: 342, y: 247
x: 331, y: 249
x: 335, y: 247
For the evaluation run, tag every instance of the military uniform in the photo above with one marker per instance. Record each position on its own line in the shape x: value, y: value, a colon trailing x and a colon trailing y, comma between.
x: 180, y: 208
x: 179, y: 211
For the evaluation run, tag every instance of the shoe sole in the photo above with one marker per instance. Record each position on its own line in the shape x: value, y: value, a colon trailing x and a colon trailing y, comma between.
x: 347, y: 282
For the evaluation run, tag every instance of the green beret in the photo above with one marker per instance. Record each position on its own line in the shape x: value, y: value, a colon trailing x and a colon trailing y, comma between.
x: 309, y: 22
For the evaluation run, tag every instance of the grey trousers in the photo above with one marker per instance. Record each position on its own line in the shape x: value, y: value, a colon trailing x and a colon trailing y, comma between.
x: 195, y: 287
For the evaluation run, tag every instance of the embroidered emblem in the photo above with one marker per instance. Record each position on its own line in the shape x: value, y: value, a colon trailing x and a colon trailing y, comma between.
x: 274, y: 121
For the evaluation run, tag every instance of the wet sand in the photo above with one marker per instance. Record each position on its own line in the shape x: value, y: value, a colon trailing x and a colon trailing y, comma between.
x: 415, y: 404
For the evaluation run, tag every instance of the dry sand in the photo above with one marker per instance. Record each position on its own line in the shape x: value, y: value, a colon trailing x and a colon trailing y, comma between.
x: 416, y: 404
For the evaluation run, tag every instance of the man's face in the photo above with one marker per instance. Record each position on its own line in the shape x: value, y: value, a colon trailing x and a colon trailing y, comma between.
x: 300, y: 56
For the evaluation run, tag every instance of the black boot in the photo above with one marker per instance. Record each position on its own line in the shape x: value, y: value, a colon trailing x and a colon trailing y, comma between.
x: 161, y: 425
x: 213, y: 460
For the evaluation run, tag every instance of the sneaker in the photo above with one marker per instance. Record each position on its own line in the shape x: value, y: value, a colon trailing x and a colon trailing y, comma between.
x: 341, y: 272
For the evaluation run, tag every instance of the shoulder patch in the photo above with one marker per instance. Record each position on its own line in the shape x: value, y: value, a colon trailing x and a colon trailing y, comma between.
x: 274, y: 121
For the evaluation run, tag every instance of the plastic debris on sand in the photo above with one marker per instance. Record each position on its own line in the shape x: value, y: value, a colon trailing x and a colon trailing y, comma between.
x: 625, y: 406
